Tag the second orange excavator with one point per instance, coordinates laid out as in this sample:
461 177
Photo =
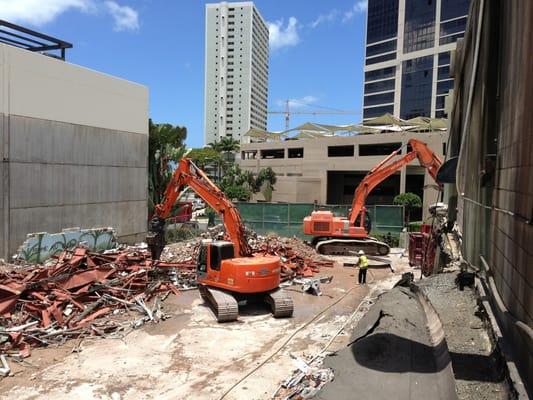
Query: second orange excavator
227 271
345 235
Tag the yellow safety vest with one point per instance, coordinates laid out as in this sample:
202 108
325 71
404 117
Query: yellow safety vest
363 262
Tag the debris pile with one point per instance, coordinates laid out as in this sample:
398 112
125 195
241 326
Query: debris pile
297 258
42 305
306 380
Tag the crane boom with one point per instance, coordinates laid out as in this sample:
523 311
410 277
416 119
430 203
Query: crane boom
385 168
188 174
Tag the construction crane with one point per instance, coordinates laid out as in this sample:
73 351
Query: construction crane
342 236
227 271
287 112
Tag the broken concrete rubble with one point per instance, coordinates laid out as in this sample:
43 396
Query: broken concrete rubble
297 258
41 305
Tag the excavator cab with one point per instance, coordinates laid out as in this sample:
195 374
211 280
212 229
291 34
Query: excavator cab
211 255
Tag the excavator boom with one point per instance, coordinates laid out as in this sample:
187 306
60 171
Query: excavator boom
338 235
389 166
227 272
188 174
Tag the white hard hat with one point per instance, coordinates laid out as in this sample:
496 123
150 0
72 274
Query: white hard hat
361 252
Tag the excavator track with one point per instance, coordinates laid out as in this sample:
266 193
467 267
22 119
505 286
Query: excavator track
223 305
280 303
347 247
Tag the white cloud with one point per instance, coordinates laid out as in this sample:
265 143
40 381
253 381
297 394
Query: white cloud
41 12
283 36
296 103
126 18
322 18
360 6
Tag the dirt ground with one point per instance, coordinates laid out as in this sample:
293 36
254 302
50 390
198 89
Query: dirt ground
190 355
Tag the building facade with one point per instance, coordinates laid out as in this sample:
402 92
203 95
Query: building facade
236 70
408 51
491 133
74 148
327 170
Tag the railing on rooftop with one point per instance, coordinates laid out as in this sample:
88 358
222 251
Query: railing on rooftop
24 38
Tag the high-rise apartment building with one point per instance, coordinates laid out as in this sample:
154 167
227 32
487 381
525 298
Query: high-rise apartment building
236 70
407 63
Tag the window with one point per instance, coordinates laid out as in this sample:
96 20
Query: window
444 58
219 253
273 153
439 102
382 20
202 258
419 28
380 74
416 87
444 87
455 26
341 151
444 73
453 8
373 112
378 59
380 48
378 149
380 86
378 99
296 152
450 39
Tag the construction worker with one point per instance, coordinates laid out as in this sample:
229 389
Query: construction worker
363 266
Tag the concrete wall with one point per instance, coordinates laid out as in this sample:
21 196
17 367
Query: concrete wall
305 179
495 173
74 147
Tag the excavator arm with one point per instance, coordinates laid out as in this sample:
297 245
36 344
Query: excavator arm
188 174
389 166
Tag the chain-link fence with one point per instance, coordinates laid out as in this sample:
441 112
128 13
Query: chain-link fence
287 219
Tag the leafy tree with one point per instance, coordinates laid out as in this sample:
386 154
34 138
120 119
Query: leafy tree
266 179
165 149
205 156
238 192
410 201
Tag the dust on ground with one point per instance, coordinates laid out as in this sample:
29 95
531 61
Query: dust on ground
190 354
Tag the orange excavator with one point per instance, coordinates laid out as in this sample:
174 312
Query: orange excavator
341 235
227 271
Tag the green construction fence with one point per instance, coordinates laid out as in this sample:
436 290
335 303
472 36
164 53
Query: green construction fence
287 219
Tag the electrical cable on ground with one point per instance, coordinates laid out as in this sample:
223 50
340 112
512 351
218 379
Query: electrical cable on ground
292 335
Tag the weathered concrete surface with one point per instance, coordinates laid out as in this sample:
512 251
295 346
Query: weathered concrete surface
392 355
477 365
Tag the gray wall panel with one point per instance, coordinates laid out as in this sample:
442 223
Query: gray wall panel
35 185
45 141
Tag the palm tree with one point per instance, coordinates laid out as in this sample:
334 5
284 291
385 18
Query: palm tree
165 149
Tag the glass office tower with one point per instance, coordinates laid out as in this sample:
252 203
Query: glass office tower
407 63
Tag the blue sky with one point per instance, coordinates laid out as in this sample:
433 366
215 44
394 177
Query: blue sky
316 57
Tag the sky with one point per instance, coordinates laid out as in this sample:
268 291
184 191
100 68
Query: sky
316 52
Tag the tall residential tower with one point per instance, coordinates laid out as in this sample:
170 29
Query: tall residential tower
407 64
236 70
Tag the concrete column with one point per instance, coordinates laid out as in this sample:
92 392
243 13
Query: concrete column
323 187
399 58
403 178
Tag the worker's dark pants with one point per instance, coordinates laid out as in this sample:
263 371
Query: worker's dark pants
362 275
